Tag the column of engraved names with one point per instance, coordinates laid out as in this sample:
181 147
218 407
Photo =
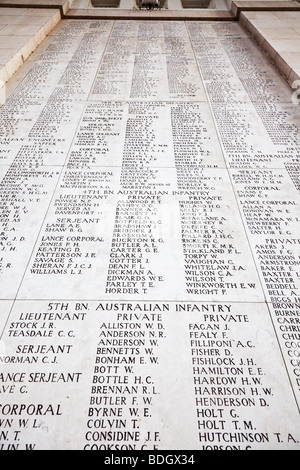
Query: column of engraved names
283 309
293 168
21 108
37 340
64 105
24 185
113 79
148 67
124 392
48 143
182 75
258 94
267 92
68 244
242 86
58 112
73 235
250 144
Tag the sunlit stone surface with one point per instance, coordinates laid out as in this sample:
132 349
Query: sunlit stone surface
149 242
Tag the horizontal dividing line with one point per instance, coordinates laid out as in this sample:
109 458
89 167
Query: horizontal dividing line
145 15
30 5
141 301
161 167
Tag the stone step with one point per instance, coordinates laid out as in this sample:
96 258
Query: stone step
63 5
184 15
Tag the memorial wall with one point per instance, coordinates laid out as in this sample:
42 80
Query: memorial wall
149 244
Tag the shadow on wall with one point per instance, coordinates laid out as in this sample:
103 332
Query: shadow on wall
137 4
151 4
106 3
209 4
